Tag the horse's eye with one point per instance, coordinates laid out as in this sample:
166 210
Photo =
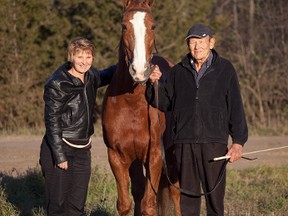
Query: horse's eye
124 27
153 27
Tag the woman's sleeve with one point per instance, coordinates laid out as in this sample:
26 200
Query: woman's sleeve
53 99
106 75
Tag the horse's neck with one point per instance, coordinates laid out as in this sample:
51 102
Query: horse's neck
122 72
122 81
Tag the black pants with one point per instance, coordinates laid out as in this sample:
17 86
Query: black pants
66 190
196 170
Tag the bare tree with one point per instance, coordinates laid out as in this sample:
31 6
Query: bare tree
257 43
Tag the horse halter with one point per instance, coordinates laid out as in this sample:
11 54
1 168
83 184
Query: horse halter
147 67
150 67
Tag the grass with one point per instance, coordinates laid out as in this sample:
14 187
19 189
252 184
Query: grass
22 194
256 191
102 194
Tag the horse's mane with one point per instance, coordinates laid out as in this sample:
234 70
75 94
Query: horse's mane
121 53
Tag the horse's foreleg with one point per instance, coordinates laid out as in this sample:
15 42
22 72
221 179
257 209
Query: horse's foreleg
121 173
164 201
168 196
175 195
138 181
153 174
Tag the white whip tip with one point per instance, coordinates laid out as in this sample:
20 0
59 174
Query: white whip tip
221 158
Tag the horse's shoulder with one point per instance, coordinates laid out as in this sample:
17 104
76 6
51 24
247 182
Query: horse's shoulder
162 61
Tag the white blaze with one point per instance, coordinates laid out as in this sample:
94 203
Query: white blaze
139 61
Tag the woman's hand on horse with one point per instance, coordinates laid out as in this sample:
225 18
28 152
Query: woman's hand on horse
63 165
155 74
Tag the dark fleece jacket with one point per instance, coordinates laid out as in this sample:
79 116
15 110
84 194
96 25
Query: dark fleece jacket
207 113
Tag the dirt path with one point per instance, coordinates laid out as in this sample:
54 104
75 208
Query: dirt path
19 153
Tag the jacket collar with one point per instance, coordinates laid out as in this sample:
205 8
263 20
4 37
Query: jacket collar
76 81
187 64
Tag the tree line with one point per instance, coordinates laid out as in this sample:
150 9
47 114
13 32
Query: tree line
251 33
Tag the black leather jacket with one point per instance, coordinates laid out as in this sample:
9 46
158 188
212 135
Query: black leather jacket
69 106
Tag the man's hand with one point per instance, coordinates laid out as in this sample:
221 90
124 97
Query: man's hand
235 152
155 74
63 165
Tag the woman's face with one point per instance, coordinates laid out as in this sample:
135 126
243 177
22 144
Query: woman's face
82 61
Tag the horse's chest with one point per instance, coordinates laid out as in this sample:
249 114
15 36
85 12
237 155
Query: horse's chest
127 122
132 111
127 111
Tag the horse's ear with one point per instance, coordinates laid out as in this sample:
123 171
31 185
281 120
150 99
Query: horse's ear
126 3
149 2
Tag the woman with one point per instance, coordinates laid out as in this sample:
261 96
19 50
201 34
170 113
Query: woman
65 156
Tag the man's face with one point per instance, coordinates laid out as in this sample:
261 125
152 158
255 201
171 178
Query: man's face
200 47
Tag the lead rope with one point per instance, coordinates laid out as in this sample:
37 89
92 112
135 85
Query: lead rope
164 164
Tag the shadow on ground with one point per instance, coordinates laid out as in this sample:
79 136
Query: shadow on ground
25 192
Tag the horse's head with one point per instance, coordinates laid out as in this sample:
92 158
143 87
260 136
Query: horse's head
138 35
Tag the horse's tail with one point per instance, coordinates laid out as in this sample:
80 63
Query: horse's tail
164 200
168 197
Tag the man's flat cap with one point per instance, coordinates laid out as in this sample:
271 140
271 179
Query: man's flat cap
199 31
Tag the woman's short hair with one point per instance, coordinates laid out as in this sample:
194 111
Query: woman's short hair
80 44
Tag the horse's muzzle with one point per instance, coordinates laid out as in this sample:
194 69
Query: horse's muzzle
142 76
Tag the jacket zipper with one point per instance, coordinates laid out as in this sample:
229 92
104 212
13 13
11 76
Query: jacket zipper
197 114
198 121
87 107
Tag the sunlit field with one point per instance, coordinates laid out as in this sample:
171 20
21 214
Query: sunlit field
257 191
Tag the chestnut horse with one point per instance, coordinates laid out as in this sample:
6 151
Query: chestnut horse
132 129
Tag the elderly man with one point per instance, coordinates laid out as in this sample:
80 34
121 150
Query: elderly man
203 93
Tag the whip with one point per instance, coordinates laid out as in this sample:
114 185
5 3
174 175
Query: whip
249 153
